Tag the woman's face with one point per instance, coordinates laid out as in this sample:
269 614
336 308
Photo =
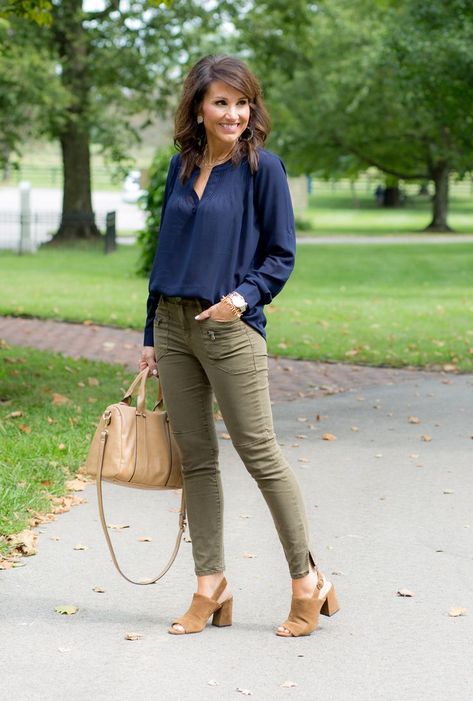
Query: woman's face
226 114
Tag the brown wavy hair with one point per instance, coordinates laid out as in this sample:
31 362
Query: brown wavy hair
190 138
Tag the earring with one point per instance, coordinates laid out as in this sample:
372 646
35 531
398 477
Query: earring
200 119
248 138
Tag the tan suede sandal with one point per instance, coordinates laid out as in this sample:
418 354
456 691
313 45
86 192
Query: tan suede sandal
304 615
202 607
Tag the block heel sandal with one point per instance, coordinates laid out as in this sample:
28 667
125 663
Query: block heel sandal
304 615
202 607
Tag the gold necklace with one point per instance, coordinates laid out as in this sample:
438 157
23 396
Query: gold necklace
222 159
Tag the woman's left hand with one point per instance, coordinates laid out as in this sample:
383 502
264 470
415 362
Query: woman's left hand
217 312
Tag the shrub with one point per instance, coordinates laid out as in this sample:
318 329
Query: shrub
152 203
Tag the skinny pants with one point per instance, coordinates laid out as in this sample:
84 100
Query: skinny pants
197 359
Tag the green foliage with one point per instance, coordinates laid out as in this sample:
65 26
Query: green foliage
152 203
383 84
32 100
38 11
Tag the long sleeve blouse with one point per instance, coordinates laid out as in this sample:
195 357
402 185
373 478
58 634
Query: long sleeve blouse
239 236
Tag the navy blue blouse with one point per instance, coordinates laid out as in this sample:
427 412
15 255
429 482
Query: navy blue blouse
239 236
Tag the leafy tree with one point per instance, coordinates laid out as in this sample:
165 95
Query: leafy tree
32 99
113 63
382 83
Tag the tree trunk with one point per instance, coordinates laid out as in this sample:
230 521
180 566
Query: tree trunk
440 176
77 221
392 196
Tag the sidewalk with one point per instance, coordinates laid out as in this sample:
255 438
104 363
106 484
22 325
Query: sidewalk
388 510
289 379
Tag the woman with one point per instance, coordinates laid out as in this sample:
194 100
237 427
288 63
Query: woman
226 248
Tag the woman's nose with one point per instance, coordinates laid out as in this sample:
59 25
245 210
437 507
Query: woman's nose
232 112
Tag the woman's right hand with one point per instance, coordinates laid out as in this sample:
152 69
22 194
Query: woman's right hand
148 359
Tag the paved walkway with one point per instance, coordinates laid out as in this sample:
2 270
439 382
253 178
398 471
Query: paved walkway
289 379
384 239
389 509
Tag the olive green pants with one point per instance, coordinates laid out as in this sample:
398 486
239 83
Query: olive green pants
229 359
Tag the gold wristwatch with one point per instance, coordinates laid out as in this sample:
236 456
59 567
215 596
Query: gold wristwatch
239 301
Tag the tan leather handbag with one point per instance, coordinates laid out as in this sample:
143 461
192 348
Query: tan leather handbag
134 447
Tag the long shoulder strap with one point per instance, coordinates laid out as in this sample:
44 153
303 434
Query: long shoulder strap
182 520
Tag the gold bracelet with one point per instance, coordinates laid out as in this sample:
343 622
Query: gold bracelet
229 303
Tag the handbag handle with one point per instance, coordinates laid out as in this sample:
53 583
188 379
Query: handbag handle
140 380
182 520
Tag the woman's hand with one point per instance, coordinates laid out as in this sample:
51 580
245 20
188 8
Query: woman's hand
217 312
148 359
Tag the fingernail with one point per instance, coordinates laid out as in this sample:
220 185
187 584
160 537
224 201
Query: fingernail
197 317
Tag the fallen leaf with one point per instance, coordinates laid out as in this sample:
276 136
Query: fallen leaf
66 610
413 455
79 546
118 526
448 491
212 682
60 399
76 485
457 611
449 367
288 684
426 438
25 428
378 455
14 414
354 428
328 437
24 542
93 382
245 515
99 590
63 504
64 649
405 592
133 636
50 420
337 573
301 435
302 418
245 692
187 539
54 537
302 459
352 352
62 446
108 345
226 436
249 555
414 420
144 539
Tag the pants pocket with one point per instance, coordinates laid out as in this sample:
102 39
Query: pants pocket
228 346
161 333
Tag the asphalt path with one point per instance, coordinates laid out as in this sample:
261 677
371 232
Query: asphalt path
389 505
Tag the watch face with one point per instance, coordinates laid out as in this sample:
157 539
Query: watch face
238 301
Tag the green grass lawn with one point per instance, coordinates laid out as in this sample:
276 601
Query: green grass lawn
337 212
48 442
391 305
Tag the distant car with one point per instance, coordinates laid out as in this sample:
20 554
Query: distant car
132 189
